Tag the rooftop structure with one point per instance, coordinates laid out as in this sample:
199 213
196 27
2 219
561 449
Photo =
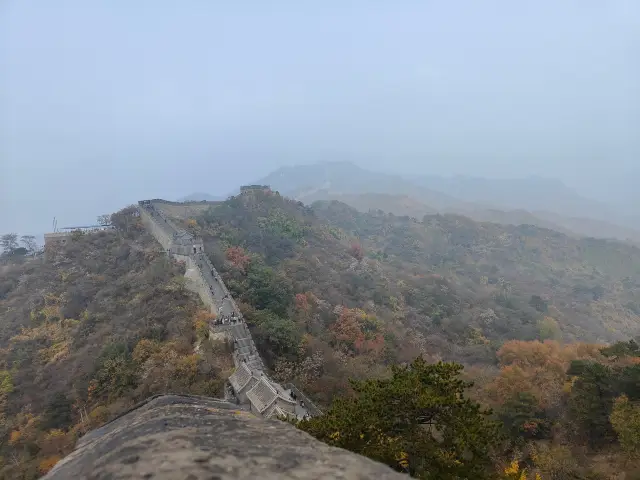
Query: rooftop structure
250 188
60 237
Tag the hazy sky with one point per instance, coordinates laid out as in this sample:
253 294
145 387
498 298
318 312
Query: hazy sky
106 102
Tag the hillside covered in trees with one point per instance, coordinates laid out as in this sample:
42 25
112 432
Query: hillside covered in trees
333 294
358 310
86 332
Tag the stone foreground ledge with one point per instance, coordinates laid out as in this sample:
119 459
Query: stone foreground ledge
192 438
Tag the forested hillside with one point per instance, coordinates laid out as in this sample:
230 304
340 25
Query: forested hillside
86 332
463 286
536 201
333 294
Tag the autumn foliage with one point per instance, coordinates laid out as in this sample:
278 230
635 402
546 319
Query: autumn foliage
48 463
111 325
357 332
302 302
238 258
356 251
537 368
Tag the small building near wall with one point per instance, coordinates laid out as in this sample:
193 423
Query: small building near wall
183 243
56 238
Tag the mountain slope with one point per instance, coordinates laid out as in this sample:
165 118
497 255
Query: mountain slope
529 201
531 193
99 324
341 178
364 202
445 279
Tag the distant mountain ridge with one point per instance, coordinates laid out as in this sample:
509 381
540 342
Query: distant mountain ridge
529 193
345 178
537 201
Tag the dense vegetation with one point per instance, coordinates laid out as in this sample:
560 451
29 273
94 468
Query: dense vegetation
332 294
87 331
367 313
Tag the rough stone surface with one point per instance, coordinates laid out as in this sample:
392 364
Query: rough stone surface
194 438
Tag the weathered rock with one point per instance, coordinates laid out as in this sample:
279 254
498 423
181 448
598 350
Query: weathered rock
192 438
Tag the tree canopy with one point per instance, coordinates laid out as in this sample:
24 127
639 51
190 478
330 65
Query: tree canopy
419 421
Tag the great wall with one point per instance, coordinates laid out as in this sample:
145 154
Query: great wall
250 385
169 436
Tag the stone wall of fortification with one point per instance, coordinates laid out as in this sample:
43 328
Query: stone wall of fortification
181 252
157 231
197 283
180 245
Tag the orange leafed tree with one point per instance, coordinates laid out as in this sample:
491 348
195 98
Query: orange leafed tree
356 251
203 317
15 436
302 302
192 224
349 331
48 463
238 258
537 368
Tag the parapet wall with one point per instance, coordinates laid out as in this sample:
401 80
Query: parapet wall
181 204
209 265
198 283
161 234
180 436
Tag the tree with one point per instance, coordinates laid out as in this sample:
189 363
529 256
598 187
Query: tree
622 349
548 329
591 401
555 462
537 368
104 219
268 290
238 257
9 242
625 418
418 421
356 251
538 303
58 412
29 242
357 332
280 334
523 418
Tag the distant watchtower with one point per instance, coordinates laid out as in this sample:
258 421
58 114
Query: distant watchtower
254 188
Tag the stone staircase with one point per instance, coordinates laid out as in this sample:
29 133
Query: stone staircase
249 381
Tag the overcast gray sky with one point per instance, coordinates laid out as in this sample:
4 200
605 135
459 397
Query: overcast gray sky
106 102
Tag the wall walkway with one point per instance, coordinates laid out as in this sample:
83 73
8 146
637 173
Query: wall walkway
250 382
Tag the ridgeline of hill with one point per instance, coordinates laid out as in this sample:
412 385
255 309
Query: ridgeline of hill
534 201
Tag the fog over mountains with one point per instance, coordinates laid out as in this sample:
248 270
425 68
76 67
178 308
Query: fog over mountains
535 200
